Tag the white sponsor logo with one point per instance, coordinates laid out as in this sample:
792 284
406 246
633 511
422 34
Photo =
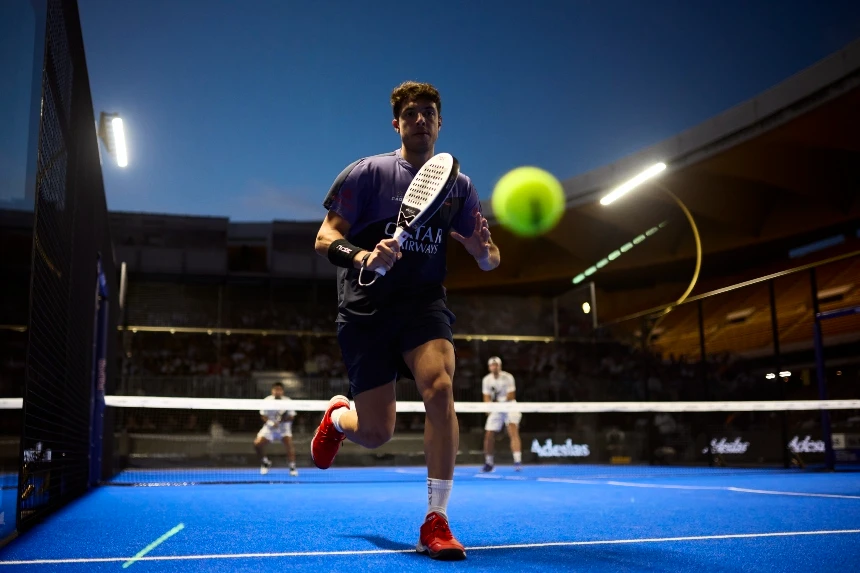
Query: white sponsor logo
806 446
343 249
725 447
567 449
423 239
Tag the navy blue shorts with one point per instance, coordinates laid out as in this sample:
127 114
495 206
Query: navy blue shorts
373 350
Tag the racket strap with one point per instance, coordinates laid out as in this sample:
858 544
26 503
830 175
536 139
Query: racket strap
361 272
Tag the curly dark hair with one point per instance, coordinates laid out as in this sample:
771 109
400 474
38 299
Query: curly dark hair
412 91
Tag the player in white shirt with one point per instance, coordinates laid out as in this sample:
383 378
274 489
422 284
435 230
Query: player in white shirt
278 426
498 386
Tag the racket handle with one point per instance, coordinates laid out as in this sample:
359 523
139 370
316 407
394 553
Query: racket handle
400 235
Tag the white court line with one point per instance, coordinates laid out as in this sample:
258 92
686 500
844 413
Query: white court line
480 548
664 486
579 481
699 487
766 492
493 476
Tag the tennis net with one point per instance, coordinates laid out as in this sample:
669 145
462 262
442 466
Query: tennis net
183 441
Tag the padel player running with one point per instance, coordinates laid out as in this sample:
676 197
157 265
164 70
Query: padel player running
399 326
498 386
277 426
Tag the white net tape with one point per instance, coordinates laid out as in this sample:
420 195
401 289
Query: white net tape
485 407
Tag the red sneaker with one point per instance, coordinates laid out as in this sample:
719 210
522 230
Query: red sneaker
437 541
327 439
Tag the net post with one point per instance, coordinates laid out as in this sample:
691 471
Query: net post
99 374
591 290
774 325
703 375
819 366
123 285
650 436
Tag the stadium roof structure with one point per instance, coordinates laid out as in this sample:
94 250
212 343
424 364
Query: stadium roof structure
759 179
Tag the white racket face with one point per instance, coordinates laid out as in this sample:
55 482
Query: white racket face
423 194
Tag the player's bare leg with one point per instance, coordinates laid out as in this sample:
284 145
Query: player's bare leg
260 445
489 447
371 424
516 445
291 454
432 364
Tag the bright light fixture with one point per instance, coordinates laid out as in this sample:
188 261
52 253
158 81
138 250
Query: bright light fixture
633 183
119 142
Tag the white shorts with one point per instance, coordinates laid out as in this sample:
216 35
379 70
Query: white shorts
277 433
498 420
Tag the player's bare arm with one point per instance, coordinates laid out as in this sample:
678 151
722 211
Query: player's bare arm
480 244
334 228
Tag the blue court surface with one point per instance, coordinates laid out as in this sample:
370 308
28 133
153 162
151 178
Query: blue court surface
542 519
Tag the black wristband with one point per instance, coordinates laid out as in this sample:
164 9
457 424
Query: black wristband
341 253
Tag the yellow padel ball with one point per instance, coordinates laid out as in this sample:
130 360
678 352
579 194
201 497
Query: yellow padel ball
529 201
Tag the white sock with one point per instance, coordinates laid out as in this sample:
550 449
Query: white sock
292 465
518 457
335 418
488 459
438 492
265 459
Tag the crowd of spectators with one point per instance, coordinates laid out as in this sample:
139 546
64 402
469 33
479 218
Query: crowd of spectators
577 365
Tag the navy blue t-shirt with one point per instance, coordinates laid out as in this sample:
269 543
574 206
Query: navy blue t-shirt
368 194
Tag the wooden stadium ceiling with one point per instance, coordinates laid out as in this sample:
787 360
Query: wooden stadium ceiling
775 184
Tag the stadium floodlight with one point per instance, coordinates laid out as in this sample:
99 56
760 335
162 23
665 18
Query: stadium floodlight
111 131
119 138
633 183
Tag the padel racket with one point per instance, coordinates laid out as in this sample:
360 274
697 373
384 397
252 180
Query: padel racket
425 195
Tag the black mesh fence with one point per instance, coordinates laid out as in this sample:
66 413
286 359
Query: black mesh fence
70 236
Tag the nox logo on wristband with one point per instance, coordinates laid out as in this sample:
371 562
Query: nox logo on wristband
341 252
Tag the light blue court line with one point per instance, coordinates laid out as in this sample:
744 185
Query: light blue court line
154 544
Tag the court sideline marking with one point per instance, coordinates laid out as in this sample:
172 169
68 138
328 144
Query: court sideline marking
394 551
696 487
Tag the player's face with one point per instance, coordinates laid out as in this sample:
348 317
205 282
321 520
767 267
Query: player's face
277 392
418 125
495 368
